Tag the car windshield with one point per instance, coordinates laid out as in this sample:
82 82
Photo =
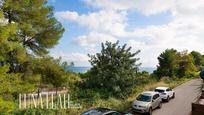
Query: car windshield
159 90
144 98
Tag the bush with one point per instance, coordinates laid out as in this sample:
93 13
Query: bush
113 70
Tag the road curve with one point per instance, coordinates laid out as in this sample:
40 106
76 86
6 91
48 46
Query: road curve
181 105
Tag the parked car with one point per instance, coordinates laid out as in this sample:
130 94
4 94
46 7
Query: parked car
146 102
104 111
166 93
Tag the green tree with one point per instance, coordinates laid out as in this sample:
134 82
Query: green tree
11 83
6 104
198 59
27 30
36 29
51 71
167 63
186 64
113 69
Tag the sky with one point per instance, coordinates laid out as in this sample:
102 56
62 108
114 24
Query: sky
147 25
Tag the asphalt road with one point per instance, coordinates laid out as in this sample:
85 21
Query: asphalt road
181 105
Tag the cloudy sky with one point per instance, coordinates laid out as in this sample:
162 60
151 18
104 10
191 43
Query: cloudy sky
149 25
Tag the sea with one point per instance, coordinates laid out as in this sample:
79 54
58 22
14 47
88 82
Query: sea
76 69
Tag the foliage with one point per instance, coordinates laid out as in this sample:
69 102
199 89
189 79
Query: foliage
198 59
176 64
186 64
113 69
11 83
27 30
6 106
111 102
143 73
202 74
167 63
51 71
37 27
33 30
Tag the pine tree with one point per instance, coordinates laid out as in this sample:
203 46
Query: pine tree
168 63
36 29
11 83
27 30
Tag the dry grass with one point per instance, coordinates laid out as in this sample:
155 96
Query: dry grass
124 105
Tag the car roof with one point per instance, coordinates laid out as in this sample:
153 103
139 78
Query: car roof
101 111
149 93
163 88
96 111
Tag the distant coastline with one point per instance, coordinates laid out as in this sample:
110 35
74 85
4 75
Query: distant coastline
77 69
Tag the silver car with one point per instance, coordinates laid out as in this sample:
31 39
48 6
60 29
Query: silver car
146 102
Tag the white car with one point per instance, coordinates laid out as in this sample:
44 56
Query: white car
146 102
166 93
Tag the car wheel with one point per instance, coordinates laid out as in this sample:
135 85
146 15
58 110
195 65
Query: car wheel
160 105
150 111
167 99
173 95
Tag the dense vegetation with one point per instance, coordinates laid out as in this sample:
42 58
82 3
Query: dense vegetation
178 64
28 30
113 70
